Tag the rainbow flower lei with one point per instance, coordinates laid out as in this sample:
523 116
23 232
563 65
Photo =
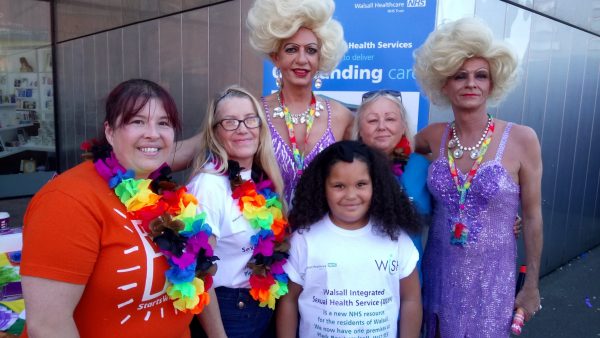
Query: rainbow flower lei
262 207
168 214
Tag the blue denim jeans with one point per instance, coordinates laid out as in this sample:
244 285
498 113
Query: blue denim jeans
241 315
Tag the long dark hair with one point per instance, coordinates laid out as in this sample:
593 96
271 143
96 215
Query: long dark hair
390 210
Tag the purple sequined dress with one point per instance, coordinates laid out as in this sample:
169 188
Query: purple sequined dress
470 290
285 157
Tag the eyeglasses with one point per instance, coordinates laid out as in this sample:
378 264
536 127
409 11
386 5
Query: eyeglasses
233 124
372 93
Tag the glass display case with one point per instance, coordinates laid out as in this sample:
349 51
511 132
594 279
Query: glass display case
27 133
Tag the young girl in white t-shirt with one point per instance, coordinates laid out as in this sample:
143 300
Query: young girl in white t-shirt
352 265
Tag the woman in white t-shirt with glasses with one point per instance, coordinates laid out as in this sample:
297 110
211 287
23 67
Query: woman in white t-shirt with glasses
238 184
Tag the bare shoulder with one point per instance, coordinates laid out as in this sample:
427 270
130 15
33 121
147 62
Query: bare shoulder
522 133
339 111
270 99
341 120
525 146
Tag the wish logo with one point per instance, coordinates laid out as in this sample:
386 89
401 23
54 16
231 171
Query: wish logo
389 265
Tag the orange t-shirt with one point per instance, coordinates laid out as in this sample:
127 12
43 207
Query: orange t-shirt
77 231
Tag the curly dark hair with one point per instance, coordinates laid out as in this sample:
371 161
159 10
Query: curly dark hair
390 210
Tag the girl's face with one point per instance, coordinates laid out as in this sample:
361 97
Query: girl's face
349 190
298 58
381 125
145 142
240 144
470 87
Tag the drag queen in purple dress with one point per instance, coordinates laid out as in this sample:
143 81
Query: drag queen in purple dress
482 169
302 40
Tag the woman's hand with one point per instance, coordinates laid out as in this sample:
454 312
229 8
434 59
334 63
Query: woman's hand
518 226
529 300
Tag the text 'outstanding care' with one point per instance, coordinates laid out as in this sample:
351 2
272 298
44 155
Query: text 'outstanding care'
360 54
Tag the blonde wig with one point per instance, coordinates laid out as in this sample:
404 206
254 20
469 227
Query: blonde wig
272 21
370 100
447 48
212 151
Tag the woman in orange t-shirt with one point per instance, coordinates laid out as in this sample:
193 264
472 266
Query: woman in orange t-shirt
114 248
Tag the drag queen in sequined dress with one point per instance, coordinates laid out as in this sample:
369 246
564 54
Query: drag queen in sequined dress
304 43
302 40
482 169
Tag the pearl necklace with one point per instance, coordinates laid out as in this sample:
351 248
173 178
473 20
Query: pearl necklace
474 150
301 118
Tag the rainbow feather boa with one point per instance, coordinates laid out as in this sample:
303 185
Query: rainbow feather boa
169 214
262 207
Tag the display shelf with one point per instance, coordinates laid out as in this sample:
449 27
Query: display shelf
9 151
26 93
16 126
38 147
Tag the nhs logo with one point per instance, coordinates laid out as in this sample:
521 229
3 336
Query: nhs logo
416 3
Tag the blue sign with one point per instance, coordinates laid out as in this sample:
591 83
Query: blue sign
381 37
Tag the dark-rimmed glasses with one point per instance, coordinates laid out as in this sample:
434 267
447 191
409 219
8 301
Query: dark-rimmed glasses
233 124
392 92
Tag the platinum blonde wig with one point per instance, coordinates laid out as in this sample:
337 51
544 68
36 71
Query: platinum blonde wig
211 150
272 21
447 48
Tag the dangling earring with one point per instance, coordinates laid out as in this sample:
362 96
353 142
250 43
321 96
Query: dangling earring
278 78
318 81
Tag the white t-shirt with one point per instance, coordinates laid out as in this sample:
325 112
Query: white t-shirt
350 279
229 226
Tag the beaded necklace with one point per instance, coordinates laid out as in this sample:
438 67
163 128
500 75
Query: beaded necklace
298 157
298 118
473 151
460 231
262 208
168 214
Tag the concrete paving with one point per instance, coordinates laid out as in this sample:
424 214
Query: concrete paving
570 301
